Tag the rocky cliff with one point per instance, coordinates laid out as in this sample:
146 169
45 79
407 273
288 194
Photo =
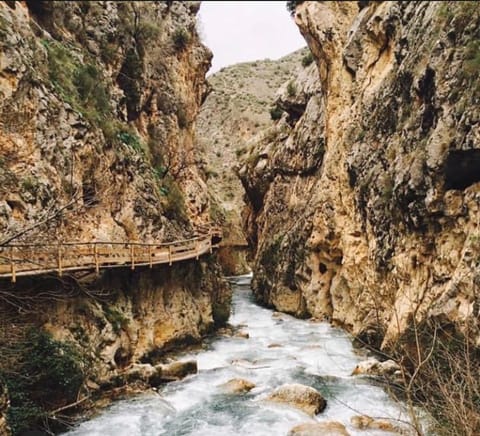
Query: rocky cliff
97 110
363 198
237 108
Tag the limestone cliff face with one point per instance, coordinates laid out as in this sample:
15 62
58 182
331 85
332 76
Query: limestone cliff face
97 108
98 105
364 201
236 109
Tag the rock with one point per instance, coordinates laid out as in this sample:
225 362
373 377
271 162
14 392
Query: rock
328 428
140 372
225 331
364 422
374 367
92 385
300 396
238 386
242 334
275 345
178 370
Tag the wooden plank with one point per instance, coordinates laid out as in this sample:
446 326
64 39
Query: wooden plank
12 263
59 260
132 255
95 256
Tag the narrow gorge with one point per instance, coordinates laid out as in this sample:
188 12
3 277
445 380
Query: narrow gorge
343 176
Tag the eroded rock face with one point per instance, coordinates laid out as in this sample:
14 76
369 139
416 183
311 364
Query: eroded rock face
364 208
142 316
97 109
302 397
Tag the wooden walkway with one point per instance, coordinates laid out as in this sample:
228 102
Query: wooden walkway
36 259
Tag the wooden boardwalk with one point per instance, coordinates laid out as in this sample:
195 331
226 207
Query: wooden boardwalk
36 259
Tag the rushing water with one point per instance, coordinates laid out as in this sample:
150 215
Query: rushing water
313 354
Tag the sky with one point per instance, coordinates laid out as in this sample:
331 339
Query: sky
240 31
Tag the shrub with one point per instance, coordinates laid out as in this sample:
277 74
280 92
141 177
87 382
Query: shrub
132 140
276 113
116 318
291 88
78 84
181 38
174 202
307 59
472 57
47 374
148 30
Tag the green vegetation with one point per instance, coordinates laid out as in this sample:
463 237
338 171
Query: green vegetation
181 38
29 184
132 140
472 57
80 84
307 59
116 318
276 112
147 30
41 374
173 201
291 88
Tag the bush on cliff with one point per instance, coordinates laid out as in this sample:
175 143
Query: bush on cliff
42 374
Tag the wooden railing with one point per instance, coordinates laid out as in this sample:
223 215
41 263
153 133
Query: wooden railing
35 259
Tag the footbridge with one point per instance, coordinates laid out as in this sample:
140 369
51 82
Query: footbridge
37 259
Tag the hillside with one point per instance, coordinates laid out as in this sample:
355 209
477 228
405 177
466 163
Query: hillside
236 109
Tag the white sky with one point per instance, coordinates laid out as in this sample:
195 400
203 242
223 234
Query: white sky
240 31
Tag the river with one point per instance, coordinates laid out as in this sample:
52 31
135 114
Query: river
313 354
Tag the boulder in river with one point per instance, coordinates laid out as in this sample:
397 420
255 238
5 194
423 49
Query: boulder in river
238 386
364 422
178 370
274 345
242 334
140 372
327 428
374 367
300 396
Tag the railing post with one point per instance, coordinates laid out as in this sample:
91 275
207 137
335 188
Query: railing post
95 256
150 255
59 259
210 244
12 266
132 255
170 255
197 248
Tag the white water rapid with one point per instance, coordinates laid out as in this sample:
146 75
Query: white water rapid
314 354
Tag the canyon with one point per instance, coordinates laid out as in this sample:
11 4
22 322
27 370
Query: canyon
357 159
